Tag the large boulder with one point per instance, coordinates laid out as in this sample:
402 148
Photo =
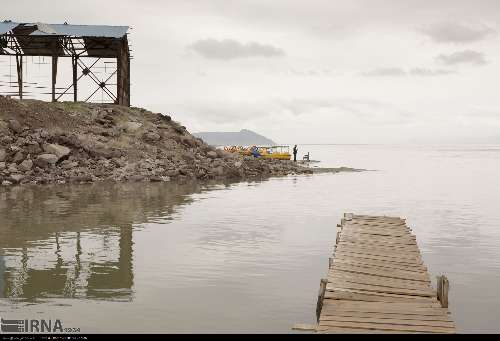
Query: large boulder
57 150
213 155
16 178
151 137
46 160
131 127
15 126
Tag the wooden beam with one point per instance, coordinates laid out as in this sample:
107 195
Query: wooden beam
123 75
54 77
74 63
443 286
321 296
19 63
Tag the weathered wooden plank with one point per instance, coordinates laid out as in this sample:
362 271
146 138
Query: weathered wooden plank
373 297
432 313
342 330
353 255
393 327
363 239
399 296
379 233
374 253
400 257
384 306
380 289
382 273
392 321
304 327
387 315
403 248
415 269
375 280
352 260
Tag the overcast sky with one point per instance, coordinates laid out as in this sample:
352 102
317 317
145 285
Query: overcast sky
315 71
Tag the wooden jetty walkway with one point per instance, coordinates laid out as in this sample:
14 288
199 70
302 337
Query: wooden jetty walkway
377 283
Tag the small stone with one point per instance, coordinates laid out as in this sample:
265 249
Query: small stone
219 171
6 183
3 165
26 165
159 179
68 164
131 127
166 118
3 155
238 164
173 173
18 157
12 168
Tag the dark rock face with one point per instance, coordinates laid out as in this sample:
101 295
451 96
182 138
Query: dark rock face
52 143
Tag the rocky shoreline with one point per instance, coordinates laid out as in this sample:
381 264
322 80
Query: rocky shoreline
43 143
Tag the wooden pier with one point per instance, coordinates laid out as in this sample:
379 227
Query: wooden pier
377 283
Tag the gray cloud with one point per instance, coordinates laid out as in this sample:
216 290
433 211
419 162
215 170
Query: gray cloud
463 57
430 72
385 72
398 72
364 109
228 49
451 32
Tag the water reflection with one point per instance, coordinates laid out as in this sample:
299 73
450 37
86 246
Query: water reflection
77 241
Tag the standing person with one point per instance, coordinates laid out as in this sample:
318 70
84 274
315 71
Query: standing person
295 150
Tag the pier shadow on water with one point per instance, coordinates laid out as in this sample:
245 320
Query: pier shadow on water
67 241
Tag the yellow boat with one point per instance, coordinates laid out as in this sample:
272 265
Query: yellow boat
273 152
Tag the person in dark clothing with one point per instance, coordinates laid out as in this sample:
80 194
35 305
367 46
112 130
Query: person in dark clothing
295 150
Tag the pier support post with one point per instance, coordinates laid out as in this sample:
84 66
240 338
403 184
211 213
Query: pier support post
443 286
19 64
54 77
321 296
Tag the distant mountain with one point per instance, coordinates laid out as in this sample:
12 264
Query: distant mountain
242 138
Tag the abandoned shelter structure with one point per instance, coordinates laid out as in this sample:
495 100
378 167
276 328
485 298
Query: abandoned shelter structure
85 45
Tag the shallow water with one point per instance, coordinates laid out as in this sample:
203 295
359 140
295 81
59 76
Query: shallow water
244 257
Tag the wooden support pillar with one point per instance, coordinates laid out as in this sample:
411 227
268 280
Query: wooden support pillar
74 63
54 77
123 74
443 286
321 296
19 63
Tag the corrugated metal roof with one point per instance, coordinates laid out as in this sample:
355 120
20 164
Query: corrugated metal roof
6 26
71 30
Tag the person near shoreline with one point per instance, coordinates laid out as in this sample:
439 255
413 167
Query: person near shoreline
295 150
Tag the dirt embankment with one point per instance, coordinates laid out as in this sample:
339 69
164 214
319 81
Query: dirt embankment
44 142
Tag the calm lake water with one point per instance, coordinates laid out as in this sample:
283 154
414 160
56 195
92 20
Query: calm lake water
244 257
